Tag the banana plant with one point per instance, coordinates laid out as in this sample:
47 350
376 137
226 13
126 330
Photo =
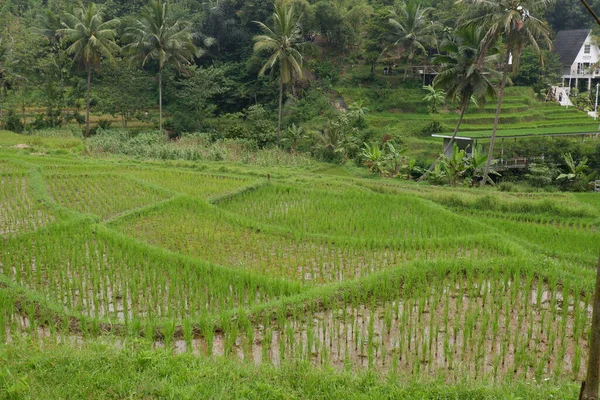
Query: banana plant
395 158
575 170
374 158
409 168
438 175
456 166
476 167
434 98
294 135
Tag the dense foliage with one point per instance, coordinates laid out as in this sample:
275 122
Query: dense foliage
422 291
308 76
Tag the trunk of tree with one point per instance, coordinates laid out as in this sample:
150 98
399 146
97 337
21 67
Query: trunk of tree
87 100
450 143
486 171
280 111
23 110
160 126
589 388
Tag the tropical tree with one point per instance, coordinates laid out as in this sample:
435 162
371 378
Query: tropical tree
5 75
157 36
412 30
396 160
512 21
464 78
294 135
574 177
476 165
284 42
341 21
358 111
339 139
374 158
91 39
434 97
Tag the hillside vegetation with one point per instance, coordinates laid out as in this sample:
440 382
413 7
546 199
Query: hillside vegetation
147 265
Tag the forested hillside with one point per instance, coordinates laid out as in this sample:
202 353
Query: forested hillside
333 199
335 81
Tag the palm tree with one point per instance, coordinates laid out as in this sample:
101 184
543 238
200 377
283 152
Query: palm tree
463 77
511 20
412 30
156 36
284 42
91 39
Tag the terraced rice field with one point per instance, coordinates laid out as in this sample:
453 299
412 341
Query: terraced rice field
388 276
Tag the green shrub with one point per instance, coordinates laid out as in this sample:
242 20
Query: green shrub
12 122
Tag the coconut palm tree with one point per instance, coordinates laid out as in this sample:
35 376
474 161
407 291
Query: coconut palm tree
157 36
91 39
512 21
284 42
463 77
412 30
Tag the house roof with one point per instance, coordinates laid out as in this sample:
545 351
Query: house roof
568 44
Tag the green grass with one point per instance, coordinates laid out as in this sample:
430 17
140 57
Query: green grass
102 195
19 210
373 216
256 288
191 183
202 231
398 109
9 139
99 371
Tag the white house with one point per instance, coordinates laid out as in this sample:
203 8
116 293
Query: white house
577 55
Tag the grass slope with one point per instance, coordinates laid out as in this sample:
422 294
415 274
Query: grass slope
209 281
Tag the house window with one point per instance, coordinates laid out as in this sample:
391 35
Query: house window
587 48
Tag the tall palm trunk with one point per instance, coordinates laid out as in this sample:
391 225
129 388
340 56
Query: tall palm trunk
496 119
160 125
450 143
589 389
280 110
87 100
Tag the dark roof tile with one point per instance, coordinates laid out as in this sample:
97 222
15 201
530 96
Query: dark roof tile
568 43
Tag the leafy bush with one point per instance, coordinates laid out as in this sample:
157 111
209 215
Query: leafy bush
434 126
12 122
312 105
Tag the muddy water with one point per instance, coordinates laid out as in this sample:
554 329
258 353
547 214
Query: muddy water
451 335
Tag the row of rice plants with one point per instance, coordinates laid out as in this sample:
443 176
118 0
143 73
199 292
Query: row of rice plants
369 215
203 231
451 323
79 169
102 195
548 208
44 160
552 240
92 271
191 183
18 211
23 315
9 167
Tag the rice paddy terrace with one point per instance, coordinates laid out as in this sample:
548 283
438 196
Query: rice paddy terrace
357 274
402 112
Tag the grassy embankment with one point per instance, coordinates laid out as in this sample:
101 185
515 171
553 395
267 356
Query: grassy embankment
123 278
